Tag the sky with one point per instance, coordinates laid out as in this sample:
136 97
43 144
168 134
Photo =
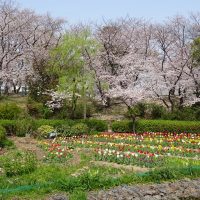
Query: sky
75 11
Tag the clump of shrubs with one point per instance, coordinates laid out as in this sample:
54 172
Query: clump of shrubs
45 131
158 111
10 111
18 163
24 127
38 110
79 129
2 134
64 130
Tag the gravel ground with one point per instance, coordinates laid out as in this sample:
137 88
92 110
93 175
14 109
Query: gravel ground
180 190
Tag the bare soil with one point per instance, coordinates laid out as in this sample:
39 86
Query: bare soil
28 144
119 166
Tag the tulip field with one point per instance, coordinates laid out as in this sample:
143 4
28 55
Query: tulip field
144 150
95 161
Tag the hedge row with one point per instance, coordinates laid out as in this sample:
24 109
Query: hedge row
21 126
157 126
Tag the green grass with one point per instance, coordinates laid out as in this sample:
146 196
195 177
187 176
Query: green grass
21 101
57 178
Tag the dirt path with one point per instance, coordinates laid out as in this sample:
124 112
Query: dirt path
120 166
29 144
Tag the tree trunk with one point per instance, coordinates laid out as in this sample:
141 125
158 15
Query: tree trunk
133 121
84 106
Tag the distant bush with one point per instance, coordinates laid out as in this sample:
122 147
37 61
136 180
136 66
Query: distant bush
24 127
64 130
18 162
38 110
9 111
2 134
96 125
138 110
79 129
44 131
122 126
157 111
9 125
54 122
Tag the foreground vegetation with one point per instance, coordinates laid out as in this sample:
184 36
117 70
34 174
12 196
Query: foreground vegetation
76 165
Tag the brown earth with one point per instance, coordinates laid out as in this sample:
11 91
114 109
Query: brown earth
28 144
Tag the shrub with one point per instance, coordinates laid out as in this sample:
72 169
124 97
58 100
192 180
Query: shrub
9 111
55 123
18 162
156 111
64 130
96 125
122 126
34 108
2 134
6 143
79 129
138 110
44 131
9 125
24 127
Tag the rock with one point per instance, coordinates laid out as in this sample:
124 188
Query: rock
52 135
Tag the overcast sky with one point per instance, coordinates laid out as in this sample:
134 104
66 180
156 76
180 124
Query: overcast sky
76 11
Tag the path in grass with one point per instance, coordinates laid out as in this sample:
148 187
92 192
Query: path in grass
28 144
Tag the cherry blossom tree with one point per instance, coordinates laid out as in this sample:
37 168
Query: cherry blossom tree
173 83
25 38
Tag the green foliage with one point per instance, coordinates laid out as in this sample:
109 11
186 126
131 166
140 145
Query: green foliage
64 130
138 110
157 111
80 110
66 111
185 113
38 110
78 195
44 131
2 134
196 50
6 143
67 61
79 129
167 125
157 126
9 125
54 122
96 125
24 127
9 111
122 126
18 162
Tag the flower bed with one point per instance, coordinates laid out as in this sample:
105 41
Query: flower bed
56 152
147 149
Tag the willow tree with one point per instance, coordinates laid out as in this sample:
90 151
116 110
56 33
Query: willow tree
68 60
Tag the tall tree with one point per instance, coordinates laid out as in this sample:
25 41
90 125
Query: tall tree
68 60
